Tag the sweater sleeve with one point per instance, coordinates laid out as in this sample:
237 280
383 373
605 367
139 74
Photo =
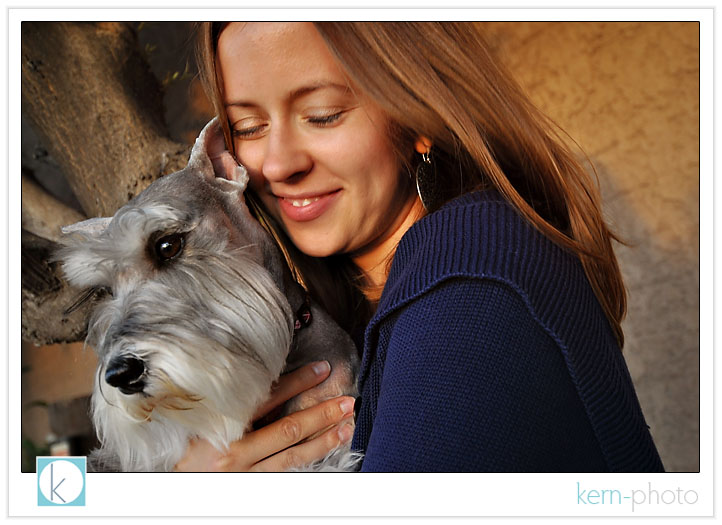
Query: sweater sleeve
472 382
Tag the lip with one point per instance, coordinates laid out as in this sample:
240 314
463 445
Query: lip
320 203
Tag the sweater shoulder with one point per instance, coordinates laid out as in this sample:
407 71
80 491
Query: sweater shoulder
481 236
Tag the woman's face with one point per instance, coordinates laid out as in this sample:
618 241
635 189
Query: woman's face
317 152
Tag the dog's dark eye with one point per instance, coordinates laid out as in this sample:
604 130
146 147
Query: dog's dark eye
168 247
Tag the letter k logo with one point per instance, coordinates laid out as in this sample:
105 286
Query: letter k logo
61 481
54 489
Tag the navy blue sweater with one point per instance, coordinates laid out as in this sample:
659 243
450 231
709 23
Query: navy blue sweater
489 352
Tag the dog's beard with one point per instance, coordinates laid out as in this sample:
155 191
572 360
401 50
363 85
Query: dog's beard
214 334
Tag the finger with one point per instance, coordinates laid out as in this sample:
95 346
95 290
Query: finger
294 383
309 451
291 429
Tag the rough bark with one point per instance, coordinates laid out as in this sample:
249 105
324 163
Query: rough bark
91 98
46 296
42 214
97 108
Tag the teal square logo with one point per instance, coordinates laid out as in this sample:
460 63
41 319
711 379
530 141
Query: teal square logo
61 481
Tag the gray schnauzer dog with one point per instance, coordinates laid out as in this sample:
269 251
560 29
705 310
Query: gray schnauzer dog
199 319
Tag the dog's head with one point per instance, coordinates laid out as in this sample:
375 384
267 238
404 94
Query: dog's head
193 327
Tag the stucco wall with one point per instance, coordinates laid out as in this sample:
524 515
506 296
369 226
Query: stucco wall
628 93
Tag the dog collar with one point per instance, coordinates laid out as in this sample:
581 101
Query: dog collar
303 315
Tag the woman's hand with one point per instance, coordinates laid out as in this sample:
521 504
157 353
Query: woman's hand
276 447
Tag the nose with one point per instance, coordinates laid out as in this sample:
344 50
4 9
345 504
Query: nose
125 373
286 156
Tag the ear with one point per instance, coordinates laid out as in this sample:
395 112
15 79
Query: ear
210 156
90 227
82 262
423 145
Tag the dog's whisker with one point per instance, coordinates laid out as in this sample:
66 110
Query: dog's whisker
99 383
241 248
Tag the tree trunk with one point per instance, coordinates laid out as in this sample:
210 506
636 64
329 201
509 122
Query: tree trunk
95 105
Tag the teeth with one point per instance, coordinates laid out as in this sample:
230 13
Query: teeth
302 203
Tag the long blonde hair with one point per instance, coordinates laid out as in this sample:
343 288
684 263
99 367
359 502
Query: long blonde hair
440 80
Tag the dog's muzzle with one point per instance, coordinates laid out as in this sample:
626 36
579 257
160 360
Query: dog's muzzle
126 374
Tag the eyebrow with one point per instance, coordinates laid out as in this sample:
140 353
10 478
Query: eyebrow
298 93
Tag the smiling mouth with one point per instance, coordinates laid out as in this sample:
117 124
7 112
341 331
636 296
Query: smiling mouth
301 203
304 209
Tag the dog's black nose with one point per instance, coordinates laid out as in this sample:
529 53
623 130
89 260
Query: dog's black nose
125 373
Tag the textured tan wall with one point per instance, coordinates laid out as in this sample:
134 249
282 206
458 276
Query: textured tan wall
628 93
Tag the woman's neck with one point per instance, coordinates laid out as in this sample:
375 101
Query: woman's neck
375 262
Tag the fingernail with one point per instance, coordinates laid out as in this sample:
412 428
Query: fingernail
321 368
347 406
345 432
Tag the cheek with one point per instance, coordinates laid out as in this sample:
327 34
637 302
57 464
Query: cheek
365 158
382 169
252 160
373 150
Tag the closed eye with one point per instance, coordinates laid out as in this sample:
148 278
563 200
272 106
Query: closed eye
247 132
325 120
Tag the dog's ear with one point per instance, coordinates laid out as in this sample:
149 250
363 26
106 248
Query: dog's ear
90 227
83 264
211 158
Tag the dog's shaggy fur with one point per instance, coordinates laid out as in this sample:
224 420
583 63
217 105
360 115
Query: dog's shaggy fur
198 320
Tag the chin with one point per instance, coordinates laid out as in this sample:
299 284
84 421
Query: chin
314 242
318 244
315 250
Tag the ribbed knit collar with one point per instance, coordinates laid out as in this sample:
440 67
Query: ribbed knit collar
465 237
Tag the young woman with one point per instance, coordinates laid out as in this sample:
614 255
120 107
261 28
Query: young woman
436 213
